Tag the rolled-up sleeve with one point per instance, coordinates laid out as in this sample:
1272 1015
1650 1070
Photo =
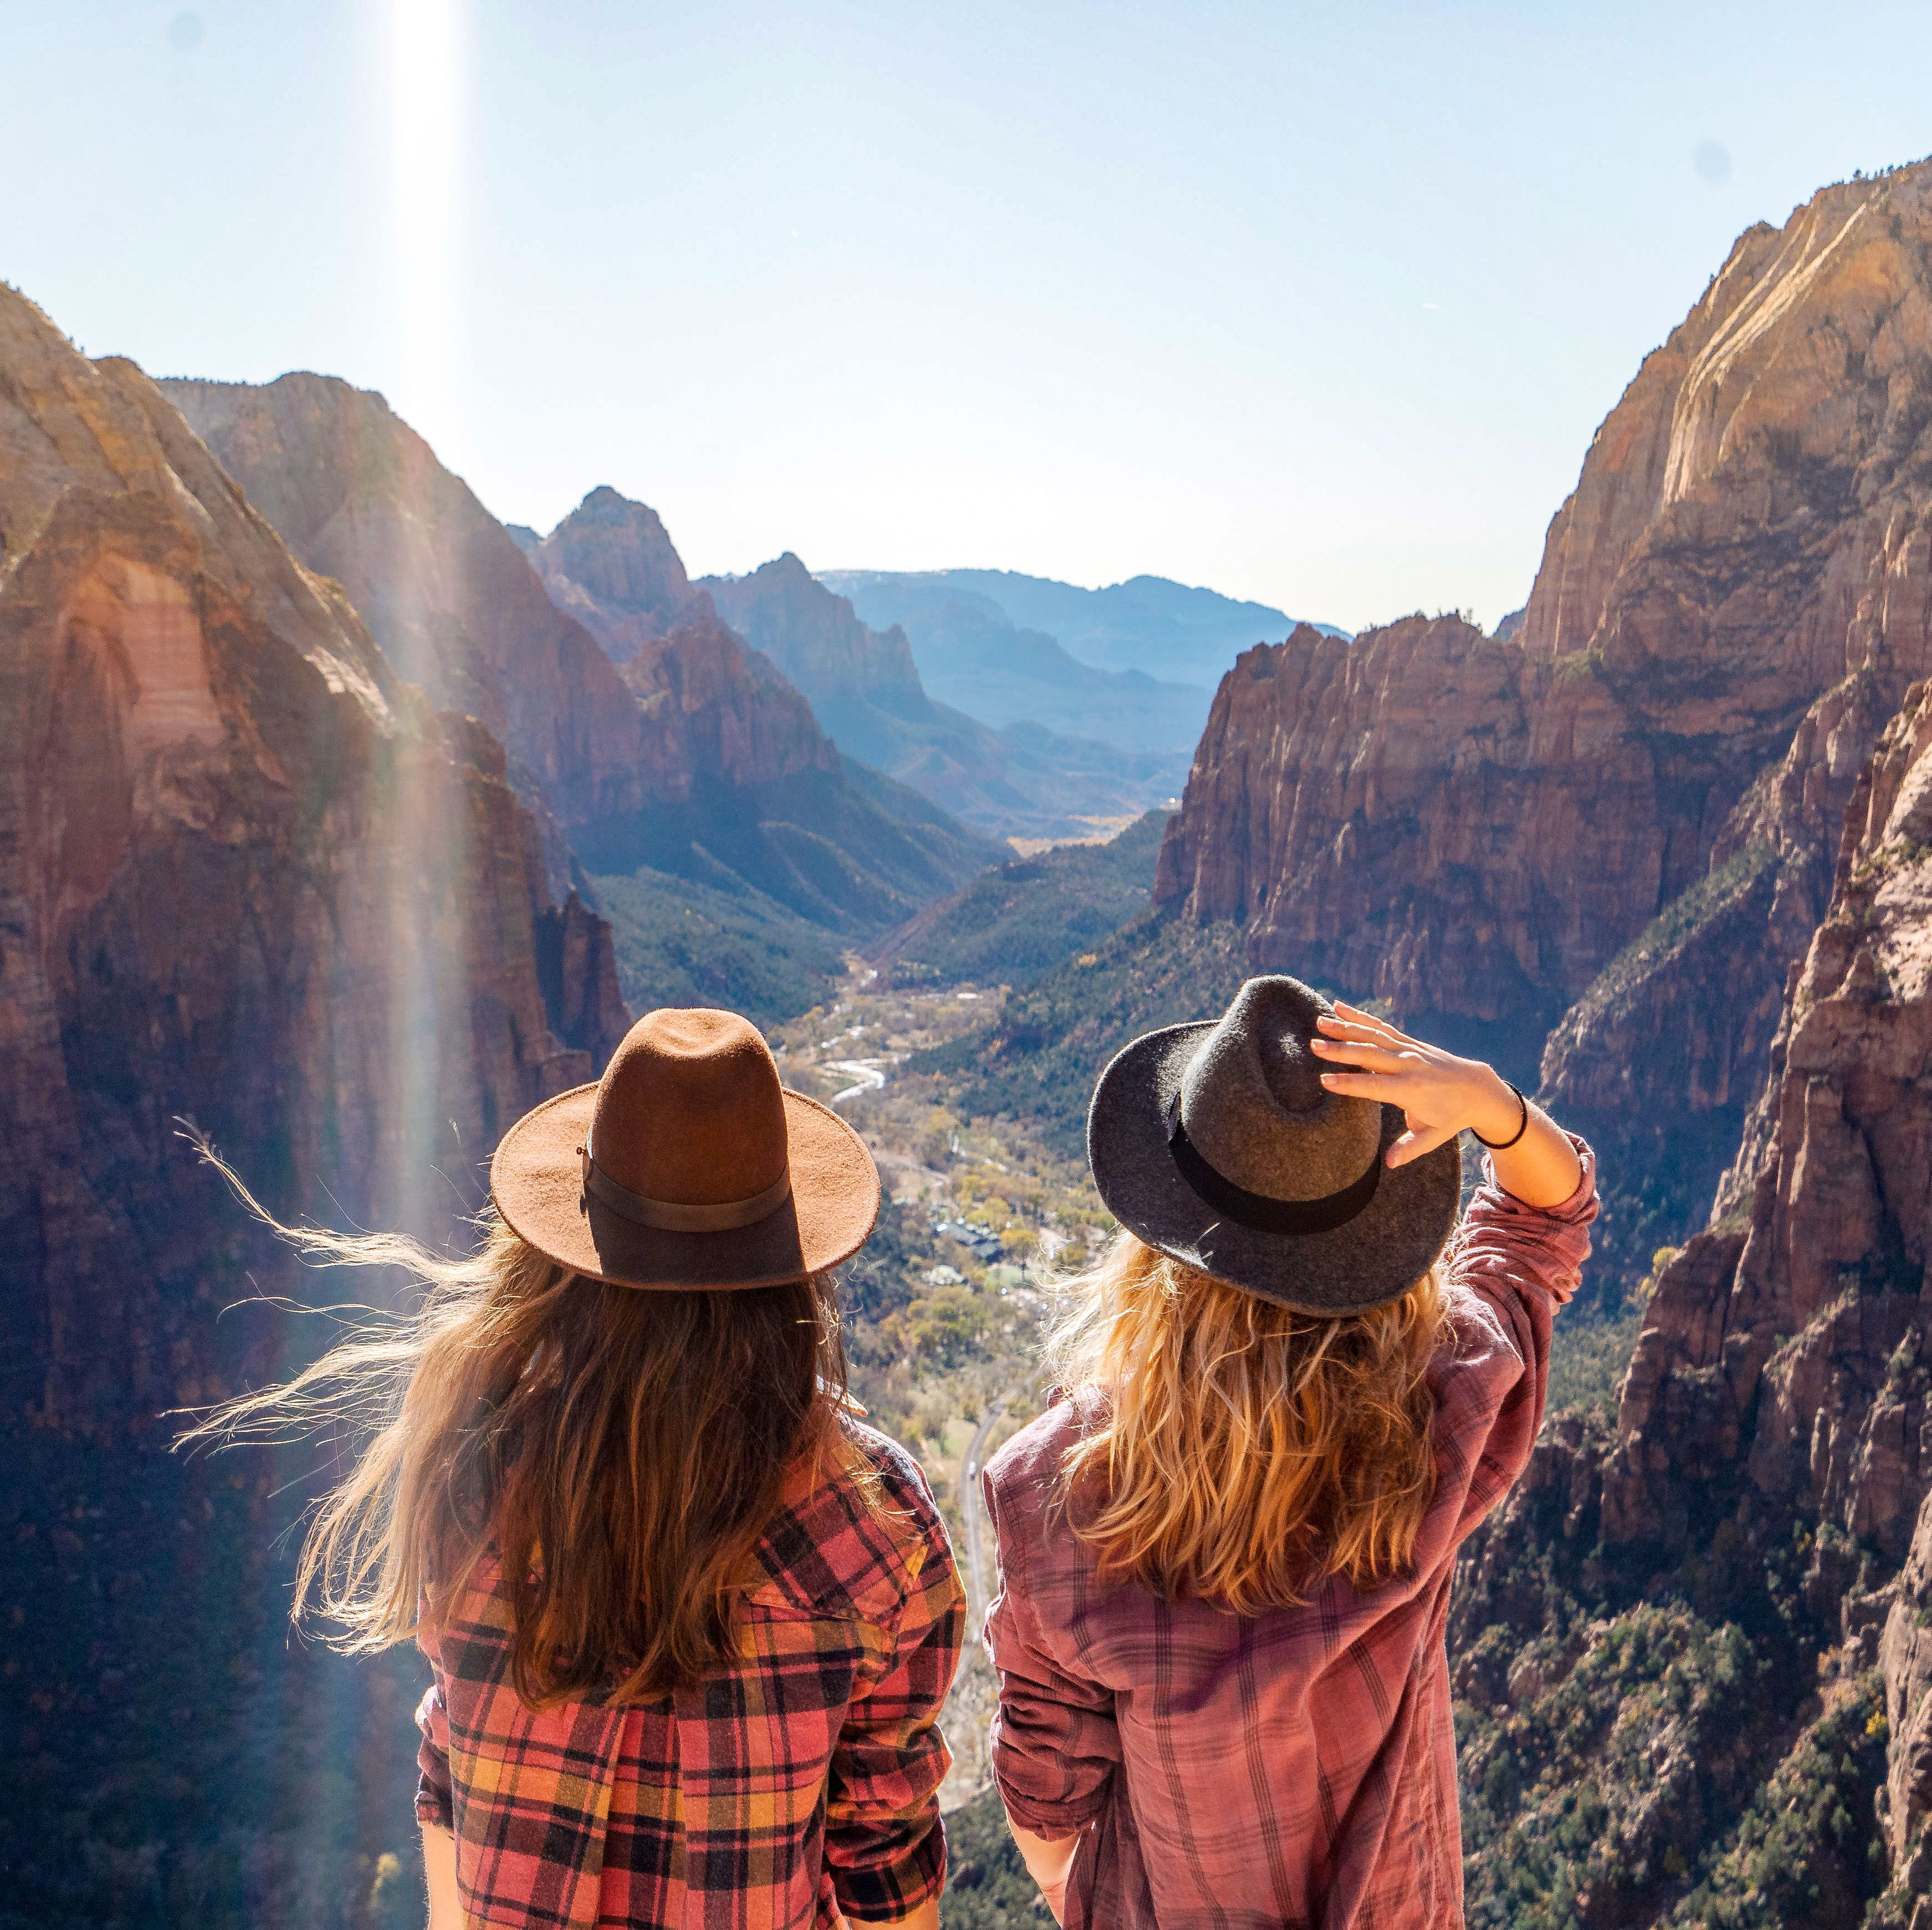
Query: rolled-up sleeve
885 1847
1056 1739
1517 1265
435 1800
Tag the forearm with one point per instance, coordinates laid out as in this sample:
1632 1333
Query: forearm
1542 1168
445 1906
1048 1862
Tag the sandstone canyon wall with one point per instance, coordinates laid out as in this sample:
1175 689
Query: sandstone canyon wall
692 759
1614 829
252 878
1711 1623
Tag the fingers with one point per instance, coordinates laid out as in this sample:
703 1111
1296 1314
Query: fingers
1379 1085
1361 1052
1417 1141
1348 1018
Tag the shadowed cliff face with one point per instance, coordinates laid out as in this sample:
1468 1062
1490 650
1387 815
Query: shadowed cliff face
1789 1338
1626 811
248 877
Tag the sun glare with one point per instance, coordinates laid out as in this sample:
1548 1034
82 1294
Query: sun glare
427 49
427 822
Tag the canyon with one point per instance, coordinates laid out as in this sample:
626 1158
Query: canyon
336 819
653 747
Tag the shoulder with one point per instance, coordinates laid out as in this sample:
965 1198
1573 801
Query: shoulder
863 1538
1024 1477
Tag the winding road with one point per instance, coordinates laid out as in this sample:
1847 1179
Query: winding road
868 1073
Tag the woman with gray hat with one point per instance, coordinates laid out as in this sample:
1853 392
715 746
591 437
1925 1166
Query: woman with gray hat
1289 1390
689 1623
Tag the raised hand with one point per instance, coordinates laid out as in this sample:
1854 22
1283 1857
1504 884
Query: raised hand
1441 1095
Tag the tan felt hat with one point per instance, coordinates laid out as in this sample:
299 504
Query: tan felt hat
688 1165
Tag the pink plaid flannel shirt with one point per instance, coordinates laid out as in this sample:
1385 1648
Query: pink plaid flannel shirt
1296 1768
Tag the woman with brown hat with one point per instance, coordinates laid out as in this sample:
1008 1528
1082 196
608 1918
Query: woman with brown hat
690 1623
1290 1393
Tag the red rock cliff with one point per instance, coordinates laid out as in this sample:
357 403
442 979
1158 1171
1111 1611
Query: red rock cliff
1651 771
248 877
611 563
456 606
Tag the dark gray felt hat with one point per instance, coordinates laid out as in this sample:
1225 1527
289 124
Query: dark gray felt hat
1217 1142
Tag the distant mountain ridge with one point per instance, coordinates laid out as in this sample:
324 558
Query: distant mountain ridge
866 690
1167 630
972 656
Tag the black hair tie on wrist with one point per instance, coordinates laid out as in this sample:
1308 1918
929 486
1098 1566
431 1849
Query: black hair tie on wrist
1521 1124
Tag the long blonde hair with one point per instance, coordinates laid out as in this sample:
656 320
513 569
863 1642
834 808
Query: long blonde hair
620 1450
1239 1452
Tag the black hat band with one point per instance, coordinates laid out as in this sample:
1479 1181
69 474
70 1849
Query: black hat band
1256 1211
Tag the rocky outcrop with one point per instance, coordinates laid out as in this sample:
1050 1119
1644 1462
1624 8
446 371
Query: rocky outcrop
1423 814
610 563
712 710
1794 1342
1644 779
1774 1439
248 878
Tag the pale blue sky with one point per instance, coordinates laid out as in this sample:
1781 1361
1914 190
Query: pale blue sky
1315 304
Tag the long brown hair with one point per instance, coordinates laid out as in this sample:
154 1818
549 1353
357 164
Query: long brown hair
1241 1452
621 1451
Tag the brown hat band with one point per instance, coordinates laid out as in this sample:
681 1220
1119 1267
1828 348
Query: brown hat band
672 1216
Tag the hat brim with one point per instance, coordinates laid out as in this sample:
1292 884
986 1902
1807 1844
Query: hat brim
536 1180
1374 1259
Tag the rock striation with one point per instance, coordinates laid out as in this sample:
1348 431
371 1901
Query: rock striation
248 877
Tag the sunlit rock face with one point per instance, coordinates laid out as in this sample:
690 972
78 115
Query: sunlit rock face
611 564
249 878
1647 776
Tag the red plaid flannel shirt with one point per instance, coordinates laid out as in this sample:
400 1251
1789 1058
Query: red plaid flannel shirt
799 1784
1295 1768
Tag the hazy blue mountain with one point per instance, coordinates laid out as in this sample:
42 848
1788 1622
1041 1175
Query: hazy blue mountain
864 688
1149 623
971 654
